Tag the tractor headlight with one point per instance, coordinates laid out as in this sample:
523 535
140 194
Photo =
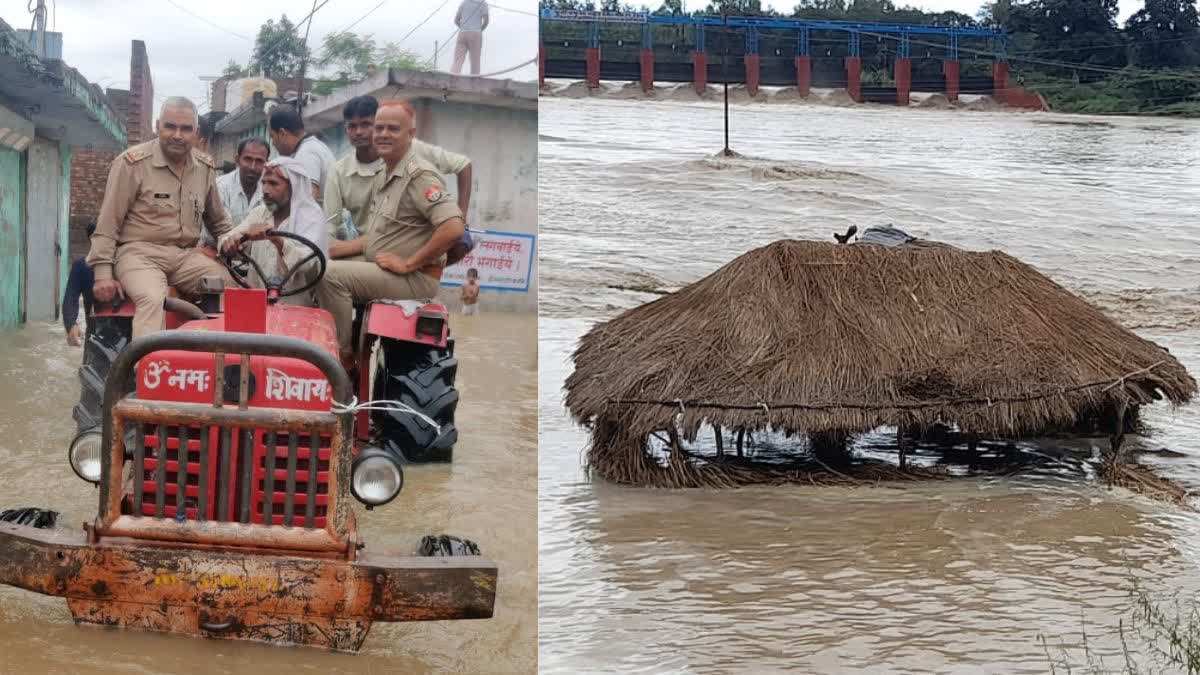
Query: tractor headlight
85 455
376 477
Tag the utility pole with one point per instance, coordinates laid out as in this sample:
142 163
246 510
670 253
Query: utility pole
435 53
304 60
725 75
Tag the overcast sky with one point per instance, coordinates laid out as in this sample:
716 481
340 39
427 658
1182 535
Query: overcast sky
182 48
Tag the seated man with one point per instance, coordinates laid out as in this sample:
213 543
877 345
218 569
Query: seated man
355 177
159 196
413 223
240 189
288 206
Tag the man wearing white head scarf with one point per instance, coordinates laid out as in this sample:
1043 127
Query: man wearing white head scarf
288 206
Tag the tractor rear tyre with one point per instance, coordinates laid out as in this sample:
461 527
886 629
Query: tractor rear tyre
422 378
106 338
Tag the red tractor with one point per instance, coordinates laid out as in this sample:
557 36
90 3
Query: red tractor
226 450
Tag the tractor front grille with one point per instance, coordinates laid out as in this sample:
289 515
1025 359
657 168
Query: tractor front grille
229 474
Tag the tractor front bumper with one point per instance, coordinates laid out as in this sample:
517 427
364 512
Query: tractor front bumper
256 595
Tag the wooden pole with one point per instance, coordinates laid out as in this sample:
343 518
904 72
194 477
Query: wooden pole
676 445
900 442
740 438
1118 437
720 441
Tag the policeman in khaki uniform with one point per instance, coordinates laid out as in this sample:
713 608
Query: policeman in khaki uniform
413 222
158 198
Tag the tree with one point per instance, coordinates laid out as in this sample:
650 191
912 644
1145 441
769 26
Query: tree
278 50
350 55
393 56
834 10
1165 34
739 8
996 14
1075 31
352 58
233 70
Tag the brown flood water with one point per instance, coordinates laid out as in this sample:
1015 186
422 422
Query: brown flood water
958 576
488 495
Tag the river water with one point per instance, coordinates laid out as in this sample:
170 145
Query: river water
487 494
964 576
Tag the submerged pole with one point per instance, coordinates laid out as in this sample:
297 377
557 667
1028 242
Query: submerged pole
725 80
676 445
1118 438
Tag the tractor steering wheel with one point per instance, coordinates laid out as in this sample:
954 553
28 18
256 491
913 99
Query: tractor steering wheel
273 282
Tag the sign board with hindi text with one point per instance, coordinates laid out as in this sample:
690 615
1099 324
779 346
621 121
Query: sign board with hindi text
504 261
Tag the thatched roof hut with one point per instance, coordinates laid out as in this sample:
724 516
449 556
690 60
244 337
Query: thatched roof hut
829 340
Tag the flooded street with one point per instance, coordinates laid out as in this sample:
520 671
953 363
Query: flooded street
964 576
487 494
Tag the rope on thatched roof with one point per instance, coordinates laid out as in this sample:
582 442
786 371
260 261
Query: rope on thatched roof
766 406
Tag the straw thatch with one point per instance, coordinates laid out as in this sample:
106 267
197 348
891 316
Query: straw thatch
830 340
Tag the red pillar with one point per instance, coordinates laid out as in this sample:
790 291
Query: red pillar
903 80
803 75
752 74
700 72
592 54
950 69
647 70
541 65
854 78
1000 80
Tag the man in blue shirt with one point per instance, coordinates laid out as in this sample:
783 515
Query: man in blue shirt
79 282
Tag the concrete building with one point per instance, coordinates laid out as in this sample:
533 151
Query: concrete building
46 110
494 122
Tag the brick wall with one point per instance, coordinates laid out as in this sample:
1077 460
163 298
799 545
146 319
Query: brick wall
89 168
141 96
119 98
283 85
89 172
216 97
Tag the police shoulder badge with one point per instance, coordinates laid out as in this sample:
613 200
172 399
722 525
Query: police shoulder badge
434 193
137 154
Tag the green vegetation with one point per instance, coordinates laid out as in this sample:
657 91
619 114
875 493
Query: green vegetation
345 57
1156 637
1128 92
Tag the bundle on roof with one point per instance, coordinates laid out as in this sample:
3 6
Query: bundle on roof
823 339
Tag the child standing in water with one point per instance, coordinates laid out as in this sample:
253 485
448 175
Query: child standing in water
470 293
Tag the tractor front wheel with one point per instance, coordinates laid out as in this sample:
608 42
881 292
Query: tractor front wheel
107 337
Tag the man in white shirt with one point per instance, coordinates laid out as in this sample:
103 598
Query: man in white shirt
471 19
287 206
287 135
240 189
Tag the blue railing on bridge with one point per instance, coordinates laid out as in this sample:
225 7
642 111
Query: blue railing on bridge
578 16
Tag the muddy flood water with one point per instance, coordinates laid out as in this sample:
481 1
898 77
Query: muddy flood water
984 574
487 494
